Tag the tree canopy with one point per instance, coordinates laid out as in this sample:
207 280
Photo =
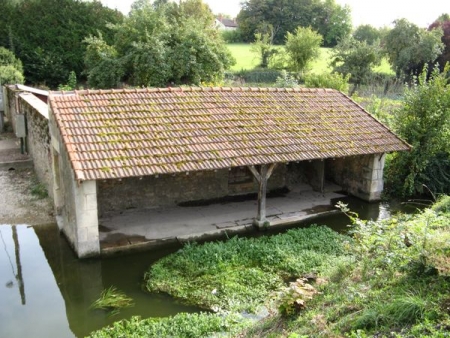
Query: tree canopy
47 35
328 18
367 33
159 44
11 70
443 22
357 58
409 47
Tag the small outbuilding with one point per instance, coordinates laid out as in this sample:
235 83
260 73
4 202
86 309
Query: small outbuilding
147 148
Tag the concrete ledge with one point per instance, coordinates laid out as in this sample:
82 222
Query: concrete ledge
214 234
297 219
24 164
129 246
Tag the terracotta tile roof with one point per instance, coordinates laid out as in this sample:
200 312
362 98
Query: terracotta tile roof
125 133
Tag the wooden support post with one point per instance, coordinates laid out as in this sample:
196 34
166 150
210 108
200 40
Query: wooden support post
322 176
262 177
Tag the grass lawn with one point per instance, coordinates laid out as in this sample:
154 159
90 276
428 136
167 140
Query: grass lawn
245 59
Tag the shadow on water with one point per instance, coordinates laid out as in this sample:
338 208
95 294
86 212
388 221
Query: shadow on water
45 291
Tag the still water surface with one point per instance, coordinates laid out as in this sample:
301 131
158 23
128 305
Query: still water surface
45 291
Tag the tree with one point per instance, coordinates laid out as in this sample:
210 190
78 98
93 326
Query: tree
103 68
264 48
47 35
159 45
443 22
356 58
336 23
11 70
424 122
331 20
302 47
367 33
409 47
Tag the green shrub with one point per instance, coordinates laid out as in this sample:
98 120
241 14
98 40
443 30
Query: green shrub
291 300
285 80
442 204
424 122
71 82
231 36
327 80
259 75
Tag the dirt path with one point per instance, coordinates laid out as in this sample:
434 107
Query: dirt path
17 204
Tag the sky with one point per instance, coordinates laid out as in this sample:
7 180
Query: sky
377 13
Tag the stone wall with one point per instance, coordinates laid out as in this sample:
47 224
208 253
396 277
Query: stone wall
38 137
19 102
305 172
361 176
170 190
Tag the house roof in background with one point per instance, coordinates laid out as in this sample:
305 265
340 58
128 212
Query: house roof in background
228 22
139 132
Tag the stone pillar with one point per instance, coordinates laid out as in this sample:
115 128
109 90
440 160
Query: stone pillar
262 176
373 177
87 235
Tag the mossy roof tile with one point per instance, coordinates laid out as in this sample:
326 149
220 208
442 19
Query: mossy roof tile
138 132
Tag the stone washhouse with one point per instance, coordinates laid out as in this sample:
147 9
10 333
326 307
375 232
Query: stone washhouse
147 148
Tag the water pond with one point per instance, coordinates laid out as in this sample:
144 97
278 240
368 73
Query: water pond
45 291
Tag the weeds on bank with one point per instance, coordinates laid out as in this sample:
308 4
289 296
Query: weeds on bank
241 273
39 190
112 300
394 283
183 325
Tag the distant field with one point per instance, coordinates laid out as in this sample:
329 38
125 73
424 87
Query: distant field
245 59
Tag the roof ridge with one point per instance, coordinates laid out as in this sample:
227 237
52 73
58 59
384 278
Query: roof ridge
188 89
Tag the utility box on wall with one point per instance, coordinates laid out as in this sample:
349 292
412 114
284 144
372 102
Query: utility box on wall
20 126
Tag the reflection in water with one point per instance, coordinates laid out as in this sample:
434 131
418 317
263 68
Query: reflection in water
19 277
42 315
60 288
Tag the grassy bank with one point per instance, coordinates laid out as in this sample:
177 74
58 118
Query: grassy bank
390 279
